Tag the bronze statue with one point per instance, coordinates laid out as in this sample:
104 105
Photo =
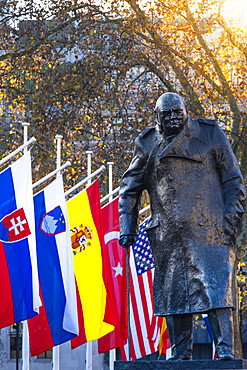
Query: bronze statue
196 195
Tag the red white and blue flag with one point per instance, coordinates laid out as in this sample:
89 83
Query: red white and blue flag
57 321
147 331
18 273
141 298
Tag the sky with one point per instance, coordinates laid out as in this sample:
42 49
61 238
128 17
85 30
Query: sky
235 11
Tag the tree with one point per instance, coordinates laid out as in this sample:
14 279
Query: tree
65 71
93 73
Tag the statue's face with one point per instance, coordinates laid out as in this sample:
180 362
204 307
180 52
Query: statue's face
171 114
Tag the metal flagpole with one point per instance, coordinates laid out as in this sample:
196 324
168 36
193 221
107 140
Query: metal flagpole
89 165
110 164
59 169
89 346
112 352
115 191
25 126
82 182
55 352
25 337
59 139
143 210
16 151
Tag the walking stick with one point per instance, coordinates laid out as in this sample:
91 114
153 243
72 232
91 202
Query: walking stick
128 296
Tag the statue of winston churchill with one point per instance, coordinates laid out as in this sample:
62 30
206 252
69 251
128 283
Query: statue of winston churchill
196 195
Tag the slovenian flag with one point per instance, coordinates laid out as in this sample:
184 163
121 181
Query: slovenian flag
57 321
18 273
87 236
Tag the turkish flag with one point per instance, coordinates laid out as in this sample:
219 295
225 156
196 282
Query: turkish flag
114 266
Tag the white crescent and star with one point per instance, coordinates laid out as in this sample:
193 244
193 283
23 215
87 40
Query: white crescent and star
111 236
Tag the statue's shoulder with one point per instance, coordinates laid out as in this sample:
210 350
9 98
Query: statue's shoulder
147 138
211 129
207 121
148 132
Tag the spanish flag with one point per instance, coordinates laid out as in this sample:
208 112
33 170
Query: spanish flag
85 222
164 342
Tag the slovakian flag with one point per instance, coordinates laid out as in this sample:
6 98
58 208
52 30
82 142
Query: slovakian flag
141 298
57 321
87 237
115 267
18 273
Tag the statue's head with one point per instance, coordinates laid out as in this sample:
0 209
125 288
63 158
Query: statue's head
171 114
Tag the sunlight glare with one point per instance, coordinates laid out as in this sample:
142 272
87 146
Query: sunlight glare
235 12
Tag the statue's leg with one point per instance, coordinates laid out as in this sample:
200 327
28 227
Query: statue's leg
221 322
180 334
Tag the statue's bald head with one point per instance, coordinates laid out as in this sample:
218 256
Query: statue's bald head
168 99
171 113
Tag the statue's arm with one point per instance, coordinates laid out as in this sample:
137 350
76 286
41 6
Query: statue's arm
131 187
232 182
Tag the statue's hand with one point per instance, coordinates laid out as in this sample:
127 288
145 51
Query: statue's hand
127 240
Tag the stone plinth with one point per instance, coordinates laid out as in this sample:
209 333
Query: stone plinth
179 365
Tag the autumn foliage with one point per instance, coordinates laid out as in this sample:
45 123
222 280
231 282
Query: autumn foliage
92 71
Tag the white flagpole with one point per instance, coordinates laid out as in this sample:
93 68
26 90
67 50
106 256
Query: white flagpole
25 336
89 165
59 139
110 195
76 186
66 164
110 164
16 151
25 126
112 352
56 349
143 210
89 346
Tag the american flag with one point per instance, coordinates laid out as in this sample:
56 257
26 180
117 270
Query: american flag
141 298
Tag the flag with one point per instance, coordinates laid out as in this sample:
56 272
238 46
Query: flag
114 264
18 273
87 237
141 297
164 342
57 321
206 321
158 330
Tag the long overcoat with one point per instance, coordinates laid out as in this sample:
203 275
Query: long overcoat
196 194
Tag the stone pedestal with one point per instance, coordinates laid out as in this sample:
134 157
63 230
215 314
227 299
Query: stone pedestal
179 365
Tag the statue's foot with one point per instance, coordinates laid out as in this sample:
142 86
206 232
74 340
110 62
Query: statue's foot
223 352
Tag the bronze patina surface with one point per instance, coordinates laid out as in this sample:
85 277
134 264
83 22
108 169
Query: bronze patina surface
196 195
